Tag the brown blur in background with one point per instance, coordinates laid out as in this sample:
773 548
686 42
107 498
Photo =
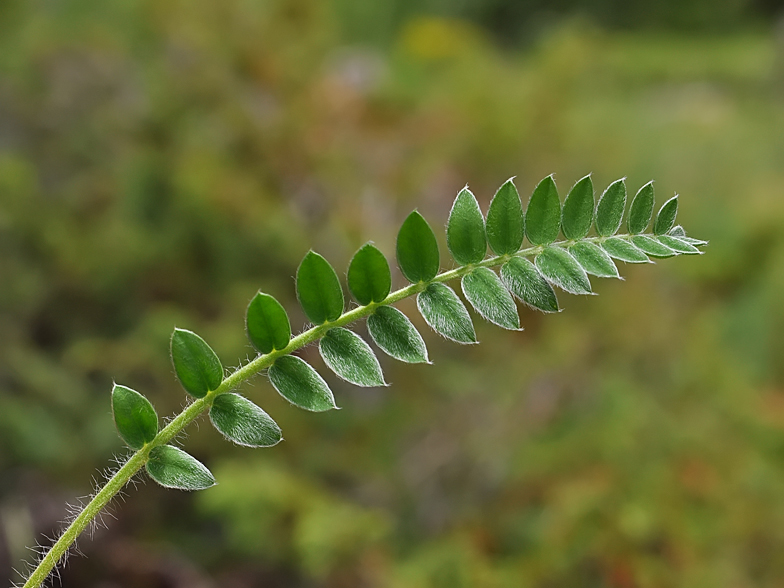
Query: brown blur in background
161 160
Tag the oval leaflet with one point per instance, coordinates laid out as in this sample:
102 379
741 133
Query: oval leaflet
444 312
417 249
173 468
391 330
369 278
244 423
487 294
134 417
505 226
195 363
347 354
318 289
267 324
577 215
543 216
465 229
300 384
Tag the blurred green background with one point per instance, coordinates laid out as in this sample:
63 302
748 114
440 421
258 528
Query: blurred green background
162 160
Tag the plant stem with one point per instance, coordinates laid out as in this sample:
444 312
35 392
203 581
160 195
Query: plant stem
118 481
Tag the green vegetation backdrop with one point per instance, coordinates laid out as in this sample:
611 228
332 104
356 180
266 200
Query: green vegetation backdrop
160 161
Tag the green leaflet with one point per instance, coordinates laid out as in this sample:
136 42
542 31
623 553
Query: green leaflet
318 289
594 260
347 354
641 210
652 247
195 363
561 269
391 330
369 279
621 249
691 240
484 290
417 249
543 217
465 229
679 245
678 231
241 421
300 384
173 468
445 313
267 324
666 217
609 211
505 221
134 417
577 215
524 281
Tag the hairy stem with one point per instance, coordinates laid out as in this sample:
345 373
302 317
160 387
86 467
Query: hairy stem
191 412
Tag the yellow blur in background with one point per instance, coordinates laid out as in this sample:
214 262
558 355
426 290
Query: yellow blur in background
160 161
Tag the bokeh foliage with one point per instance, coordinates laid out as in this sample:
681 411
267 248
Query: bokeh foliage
161 161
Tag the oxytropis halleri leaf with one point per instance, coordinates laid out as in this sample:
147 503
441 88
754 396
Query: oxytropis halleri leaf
515 270
564 264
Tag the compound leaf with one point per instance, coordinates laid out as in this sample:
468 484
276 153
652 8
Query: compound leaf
347 354
244 423
524 281
396 336
577 215
465 229
652 247
641 210
609 211
487 294
318 289
134 417
666 217
417 249
505 220
594 260
624 250
561 269
679 245
173 468
543 217
444 312
300 384
369 279
267 324
195 363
